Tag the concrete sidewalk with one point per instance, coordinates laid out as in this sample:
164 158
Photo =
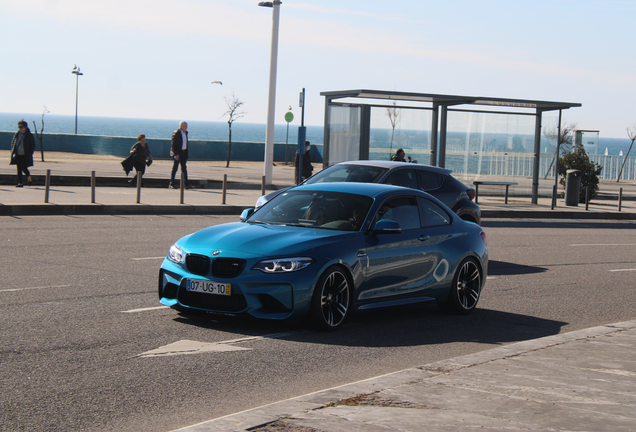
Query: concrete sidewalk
70 191
578 381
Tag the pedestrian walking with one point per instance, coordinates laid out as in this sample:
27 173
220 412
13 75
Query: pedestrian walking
179 152
140 157
307 166
22 148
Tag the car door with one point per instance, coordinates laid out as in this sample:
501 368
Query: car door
396 265
405 177
439 186
440 238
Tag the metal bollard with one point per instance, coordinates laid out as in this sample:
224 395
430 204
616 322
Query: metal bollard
620 198
92 187
554 192
138 187
181 186
224 188
587 197
47 186
263 186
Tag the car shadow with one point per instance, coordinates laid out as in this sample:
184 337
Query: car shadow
403 326
502 268
560 224
427 325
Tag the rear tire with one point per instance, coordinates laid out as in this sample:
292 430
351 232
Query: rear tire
331 300
465 290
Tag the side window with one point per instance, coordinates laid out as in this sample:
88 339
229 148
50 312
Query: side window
429 180
432 214
403 210
403 177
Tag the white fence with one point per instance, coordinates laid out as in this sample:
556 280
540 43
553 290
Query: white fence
521 164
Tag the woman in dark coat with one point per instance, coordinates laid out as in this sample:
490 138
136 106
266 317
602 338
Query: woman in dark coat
141 156
307 166
22 148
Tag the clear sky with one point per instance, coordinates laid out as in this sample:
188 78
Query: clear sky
157 58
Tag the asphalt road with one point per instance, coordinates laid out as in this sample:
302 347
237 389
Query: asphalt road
82 335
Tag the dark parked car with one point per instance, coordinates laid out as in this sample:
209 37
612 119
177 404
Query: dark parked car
436 181
323 251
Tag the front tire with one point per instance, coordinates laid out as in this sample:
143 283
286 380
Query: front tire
331 300
466 289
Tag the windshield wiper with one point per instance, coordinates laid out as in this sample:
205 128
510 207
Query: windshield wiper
256 222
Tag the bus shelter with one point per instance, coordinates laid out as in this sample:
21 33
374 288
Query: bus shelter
458 132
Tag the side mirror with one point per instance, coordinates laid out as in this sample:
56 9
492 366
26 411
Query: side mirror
386 226
246 214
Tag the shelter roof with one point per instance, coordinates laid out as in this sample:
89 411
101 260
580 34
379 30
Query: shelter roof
449 99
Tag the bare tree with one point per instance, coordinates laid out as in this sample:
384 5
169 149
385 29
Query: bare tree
233 104
631 133
563 141
394 114
39 136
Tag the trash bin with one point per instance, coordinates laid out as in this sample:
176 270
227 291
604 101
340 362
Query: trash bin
572 187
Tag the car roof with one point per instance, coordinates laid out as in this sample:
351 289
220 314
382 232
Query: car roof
391 164
378 191
368 189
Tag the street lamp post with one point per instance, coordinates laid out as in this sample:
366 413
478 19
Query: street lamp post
271 100
76 71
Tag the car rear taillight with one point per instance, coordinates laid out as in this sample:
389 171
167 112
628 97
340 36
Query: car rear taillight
483 237
471 194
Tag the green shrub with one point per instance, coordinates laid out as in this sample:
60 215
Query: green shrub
579 160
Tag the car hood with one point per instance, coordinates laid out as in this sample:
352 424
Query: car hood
258 240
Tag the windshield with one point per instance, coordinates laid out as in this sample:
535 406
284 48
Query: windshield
348 173
315 209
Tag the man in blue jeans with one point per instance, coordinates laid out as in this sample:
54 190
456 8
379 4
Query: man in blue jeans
179 152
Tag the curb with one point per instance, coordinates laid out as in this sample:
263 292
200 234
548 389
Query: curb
270 413
148 182
551 214
117 209
193 209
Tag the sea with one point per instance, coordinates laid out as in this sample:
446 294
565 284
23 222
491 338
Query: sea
154 128
206 130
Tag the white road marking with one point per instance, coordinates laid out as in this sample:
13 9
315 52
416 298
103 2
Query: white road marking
620 372
604 244
145 309
148 258
621 270
491 277
190 347
33 288
185 346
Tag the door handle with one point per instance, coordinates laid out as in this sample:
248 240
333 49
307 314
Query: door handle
361 253
423 237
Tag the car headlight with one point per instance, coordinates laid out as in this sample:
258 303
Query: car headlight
176 254
283 265
260 201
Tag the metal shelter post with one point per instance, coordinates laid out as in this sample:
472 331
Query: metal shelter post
537 152
365 131
326 134
442 137
434 123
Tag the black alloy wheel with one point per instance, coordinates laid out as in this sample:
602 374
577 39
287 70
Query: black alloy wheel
331 300
466 288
